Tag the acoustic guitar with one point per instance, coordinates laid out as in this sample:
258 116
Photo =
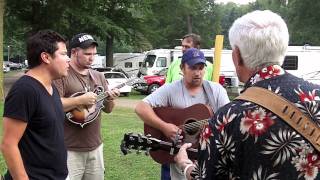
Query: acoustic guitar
83 115
189 119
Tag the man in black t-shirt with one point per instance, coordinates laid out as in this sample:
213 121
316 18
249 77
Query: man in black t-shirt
32 144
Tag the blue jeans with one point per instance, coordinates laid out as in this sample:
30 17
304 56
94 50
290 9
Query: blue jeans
165 172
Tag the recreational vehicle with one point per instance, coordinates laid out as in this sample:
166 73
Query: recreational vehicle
99 62
128 62
303 61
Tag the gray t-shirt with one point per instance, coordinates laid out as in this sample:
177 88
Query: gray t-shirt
176 95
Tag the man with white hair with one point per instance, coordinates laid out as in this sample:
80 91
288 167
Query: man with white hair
245 140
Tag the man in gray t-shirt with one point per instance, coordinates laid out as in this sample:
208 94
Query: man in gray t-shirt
190 90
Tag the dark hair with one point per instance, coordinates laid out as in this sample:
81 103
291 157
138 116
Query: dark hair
43 41
195 39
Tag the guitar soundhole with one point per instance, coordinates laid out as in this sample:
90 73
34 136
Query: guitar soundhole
191 127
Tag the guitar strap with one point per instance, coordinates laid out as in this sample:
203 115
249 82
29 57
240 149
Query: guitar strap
287 111
94 78
208 91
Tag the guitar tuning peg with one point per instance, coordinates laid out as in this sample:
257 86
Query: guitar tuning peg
139 150
147 153
148 135
149 141
140 140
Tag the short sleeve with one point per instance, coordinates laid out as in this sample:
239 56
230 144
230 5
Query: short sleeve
20 102
160 97
59 84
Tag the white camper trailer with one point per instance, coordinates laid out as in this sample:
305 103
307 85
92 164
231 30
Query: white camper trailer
128 62
303 61
99 62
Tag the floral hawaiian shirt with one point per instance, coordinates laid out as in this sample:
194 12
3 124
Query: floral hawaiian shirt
246 141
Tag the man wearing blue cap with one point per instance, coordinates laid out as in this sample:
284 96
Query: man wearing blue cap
190 90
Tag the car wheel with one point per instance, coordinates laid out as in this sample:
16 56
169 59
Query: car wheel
152 88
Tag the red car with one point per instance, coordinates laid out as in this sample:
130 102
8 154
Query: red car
152 82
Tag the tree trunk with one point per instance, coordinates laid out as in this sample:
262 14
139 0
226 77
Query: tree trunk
189 21
1 48
109 50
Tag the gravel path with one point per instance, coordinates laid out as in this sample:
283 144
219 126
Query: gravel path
128 103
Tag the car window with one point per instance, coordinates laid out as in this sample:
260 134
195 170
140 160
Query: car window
108 75
161 62
149 61
118 75
114 75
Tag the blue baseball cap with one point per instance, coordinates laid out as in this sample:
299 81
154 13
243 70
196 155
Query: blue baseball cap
193 56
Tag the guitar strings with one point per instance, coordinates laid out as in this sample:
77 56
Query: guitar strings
194 125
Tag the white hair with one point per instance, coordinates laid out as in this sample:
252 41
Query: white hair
262 38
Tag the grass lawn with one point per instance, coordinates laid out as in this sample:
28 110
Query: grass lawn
134 95
118 166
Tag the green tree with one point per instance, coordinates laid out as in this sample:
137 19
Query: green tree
304 18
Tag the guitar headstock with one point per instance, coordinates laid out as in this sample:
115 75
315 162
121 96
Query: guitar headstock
138 142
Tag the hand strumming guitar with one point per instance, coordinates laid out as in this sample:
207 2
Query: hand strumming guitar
171 131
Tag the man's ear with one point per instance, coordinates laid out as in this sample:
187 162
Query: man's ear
238 57
73 51
45 57
181 66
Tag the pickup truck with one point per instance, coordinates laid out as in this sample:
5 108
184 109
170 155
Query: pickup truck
151 82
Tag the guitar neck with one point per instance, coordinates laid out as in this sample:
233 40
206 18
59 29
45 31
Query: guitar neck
105 94
146 143
166 146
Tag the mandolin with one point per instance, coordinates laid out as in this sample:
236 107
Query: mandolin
83 115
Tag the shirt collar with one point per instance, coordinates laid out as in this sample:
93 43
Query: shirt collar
263 74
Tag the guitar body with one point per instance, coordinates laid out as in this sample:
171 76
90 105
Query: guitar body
83 115
181 118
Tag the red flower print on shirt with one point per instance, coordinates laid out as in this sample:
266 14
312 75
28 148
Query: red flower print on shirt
270 71
225 120
307 163
256 122
306 96
205 135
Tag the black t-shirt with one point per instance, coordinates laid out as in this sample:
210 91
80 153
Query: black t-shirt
42 145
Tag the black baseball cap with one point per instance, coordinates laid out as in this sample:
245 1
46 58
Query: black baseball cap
82 40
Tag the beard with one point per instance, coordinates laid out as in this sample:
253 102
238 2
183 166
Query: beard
196 82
